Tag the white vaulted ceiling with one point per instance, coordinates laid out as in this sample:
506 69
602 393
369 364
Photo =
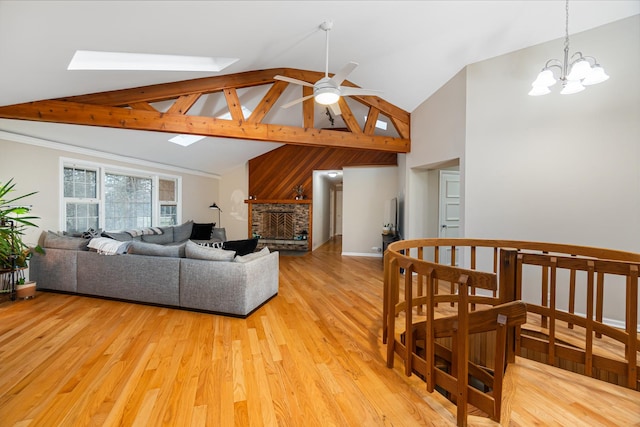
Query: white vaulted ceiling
406 49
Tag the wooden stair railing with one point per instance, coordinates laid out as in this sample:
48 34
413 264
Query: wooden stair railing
459 327
570 282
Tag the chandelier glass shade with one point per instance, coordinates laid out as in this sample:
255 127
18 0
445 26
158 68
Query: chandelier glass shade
574 72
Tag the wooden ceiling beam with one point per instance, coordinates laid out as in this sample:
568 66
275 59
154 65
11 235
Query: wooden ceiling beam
184 103
56 111
372 117
347 116
233 102
134 109
267 102
166 91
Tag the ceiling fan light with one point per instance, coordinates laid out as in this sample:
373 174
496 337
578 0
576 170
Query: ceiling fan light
326 96
597 76
572 86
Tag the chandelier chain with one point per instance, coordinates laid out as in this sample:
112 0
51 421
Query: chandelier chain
566 26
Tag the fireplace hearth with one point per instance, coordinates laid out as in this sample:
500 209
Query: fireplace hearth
281 224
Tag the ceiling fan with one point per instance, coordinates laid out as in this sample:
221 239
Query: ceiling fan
327 90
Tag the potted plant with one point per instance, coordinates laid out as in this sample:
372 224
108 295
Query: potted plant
14 253
386 228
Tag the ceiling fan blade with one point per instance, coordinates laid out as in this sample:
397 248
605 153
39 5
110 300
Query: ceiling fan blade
335 109
294 81
297 101
347 91
341 75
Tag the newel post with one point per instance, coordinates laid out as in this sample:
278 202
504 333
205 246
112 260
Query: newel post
508 282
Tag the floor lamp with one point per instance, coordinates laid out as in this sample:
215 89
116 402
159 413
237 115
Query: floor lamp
216 207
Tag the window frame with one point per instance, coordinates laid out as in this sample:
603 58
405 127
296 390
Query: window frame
102 169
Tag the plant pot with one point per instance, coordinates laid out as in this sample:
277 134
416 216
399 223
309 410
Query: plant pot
386 230
26 291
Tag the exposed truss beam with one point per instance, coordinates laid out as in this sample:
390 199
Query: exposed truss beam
133 109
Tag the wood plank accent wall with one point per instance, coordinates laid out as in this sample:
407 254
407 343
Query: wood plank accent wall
274 174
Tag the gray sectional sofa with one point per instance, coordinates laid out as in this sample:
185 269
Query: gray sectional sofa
185 275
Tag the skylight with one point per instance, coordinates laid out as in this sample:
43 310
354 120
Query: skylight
96 60
186 140
379 124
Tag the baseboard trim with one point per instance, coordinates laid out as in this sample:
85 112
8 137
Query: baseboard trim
362 254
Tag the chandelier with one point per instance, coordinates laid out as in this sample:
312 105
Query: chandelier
575 71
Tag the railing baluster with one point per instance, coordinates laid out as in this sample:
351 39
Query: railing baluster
588 347
632 322
552 318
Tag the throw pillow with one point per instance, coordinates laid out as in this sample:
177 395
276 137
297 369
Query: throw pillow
219 234
201 231
55 241
242 247
255 255
160 239
182 232
195 251
143 248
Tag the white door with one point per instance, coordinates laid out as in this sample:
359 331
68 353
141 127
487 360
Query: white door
449 211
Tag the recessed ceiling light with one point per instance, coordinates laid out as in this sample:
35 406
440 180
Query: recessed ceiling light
96 60
186 140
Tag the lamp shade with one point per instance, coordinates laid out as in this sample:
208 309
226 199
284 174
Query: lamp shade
579 70
215 206
572 86
597 76
539 90
544 79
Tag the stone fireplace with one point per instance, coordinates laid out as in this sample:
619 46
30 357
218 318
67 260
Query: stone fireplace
281 224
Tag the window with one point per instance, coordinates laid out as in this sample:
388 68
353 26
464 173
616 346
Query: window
168 202
81 199
127 201
98 196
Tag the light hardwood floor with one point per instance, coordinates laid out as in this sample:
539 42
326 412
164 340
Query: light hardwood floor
312 356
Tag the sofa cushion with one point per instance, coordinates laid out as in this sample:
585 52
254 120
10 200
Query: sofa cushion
195 251
255 255
182 232
201 231
54 240
144 248
242 247
160 239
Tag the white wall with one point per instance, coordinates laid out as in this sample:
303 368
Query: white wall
561 168
554 168
365 192
234 187
438 132
321 209
36 167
